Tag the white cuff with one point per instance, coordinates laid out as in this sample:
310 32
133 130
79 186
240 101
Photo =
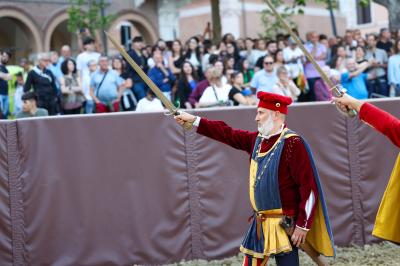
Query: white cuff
302 228
196 122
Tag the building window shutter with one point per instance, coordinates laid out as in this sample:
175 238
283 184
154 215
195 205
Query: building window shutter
363 13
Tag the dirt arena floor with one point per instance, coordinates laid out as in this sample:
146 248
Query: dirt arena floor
383 254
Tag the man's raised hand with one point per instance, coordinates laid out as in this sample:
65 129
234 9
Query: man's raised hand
184 117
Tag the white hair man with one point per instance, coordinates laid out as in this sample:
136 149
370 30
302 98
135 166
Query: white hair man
285 191
43 83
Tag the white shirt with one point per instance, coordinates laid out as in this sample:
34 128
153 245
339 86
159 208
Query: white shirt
290 90
151 63
83 59
193 60
294 68
19 91
86 85
221 95
145 105
205 61
251 56
255 55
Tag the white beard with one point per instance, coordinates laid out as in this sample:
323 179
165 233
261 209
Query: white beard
266 127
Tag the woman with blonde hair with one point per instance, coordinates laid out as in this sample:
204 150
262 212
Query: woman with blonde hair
217 93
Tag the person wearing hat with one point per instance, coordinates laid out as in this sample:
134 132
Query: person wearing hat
29 107
285 191
388 217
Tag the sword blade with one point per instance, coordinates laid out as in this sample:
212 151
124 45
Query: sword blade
336 89
167 103
301 46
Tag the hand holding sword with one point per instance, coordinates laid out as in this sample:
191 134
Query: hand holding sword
336 90
167 103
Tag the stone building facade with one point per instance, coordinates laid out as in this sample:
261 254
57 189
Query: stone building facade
32 26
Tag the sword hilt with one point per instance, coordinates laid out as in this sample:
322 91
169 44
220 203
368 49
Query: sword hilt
338 91
187 125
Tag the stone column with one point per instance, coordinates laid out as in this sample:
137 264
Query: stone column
348 9
168 19
230 11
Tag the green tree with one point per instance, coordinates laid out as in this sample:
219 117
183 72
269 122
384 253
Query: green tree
272 25
87 14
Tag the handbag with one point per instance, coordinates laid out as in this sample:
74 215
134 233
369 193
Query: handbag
72 100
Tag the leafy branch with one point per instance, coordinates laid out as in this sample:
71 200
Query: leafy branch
82 17
272 25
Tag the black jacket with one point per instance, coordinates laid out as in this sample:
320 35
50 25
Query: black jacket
43 83
141 61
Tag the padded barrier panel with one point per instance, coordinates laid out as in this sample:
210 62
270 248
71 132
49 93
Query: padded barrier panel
127 188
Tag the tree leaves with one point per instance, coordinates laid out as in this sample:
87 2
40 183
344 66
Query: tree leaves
272 26
87 14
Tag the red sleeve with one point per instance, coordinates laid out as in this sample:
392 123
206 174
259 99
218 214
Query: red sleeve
381 121
236 138
301 170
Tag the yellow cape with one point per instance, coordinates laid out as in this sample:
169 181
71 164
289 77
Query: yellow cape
387 224
318 236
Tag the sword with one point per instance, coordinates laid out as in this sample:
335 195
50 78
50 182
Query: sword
336 90
167 103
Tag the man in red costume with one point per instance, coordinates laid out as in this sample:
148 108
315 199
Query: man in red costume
388 218
285 191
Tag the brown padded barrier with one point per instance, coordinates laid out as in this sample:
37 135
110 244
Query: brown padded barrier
127 188
5 216
377 157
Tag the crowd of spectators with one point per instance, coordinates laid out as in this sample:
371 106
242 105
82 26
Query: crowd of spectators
199 73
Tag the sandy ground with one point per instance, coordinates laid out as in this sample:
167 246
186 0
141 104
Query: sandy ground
383 254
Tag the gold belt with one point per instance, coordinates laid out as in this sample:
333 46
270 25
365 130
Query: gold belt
261 217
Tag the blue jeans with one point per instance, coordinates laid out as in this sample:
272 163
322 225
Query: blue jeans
378 86
139 89
4 105
397 90
89 105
